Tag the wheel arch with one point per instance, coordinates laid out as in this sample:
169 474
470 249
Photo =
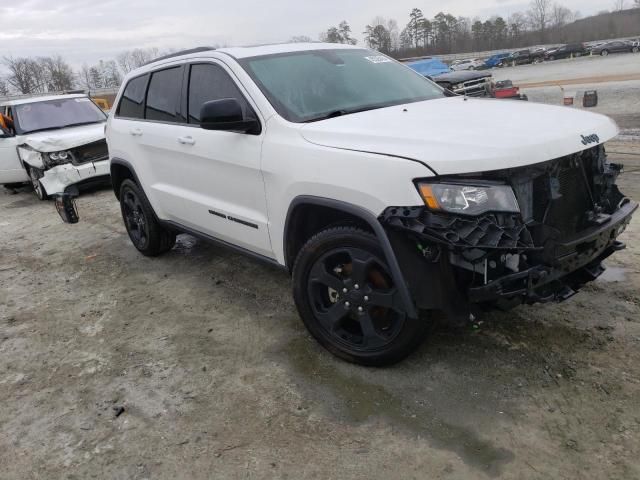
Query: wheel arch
120 171
308 215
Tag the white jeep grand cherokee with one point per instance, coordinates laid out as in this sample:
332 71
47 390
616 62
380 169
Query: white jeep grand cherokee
387 198
54 142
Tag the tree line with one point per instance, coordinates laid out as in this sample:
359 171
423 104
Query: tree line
27 75
544 22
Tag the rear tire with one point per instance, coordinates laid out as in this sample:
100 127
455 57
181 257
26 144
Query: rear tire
604 53
635 50
347 299
146 233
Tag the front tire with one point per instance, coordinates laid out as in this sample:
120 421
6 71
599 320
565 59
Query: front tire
144 230
604 53
635 50
35 174
348 301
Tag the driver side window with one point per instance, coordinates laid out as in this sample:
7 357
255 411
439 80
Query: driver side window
211 82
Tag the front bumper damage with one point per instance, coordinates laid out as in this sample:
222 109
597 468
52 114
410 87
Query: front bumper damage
56 180
571 216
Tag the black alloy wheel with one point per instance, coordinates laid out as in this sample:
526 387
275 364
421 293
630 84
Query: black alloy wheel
348 300
144 229
135 219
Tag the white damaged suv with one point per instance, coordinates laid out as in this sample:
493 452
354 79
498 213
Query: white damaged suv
54 142
385 196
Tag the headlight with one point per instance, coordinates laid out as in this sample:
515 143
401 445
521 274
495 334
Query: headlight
55 156
468 199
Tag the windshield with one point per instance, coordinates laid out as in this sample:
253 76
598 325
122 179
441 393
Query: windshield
314 85
55 114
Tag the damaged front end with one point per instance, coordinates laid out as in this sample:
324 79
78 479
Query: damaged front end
60 169
567 216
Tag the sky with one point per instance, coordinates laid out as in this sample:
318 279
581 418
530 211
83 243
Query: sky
85 31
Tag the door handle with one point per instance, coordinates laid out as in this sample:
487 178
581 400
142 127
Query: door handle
186 140
136 132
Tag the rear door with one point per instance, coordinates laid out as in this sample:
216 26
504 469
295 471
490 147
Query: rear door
220 180
156 137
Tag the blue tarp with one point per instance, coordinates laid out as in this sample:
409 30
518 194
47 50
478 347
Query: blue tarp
429 67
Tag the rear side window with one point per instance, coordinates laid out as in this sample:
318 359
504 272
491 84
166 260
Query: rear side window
132 103
211 82
163 96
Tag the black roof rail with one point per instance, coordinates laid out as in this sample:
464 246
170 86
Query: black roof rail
180 53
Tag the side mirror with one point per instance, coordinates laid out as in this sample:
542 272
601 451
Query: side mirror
226 114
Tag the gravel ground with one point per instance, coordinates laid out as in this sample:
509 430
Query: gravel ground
195 365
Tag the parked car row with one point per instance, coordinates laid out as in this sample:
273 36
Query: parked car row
537 55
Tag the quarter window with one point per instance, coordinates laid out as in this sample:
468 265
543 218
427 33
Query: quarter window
210 82
132 103
164 95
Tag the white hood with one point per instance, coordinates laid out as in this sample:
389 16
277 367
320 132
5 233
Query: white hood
456 135
56 140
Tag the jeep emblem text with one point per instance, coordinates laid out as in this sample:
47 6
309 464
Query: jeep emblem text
590 139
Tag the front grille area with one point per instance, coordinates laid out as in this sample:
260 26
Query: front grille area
473 88
562 196
91 152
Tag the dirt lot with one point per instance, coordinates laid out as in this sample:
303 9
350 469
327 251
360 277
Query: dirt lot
616 78
219 379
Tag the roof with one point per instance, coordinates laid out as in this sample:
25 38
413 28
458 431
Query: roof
249 51
258 50
43 98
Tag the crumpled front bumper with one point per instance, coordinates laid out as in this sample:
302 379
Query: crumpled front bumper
433 252
56 180
569 271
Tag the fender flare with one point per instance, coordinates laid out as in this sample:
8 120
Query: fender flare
128 165
379 231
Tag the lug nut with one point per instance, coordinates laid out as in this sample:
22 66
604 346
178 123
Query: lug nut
360 309
356 286
366 299
344 290
347 304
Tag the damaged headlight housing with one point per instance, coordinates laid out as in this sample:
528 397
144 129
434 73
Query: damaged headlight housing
58 158
468 199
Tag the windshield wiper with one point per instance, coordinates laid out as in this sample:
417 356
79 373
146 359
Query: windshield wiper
44 129
79 124
340 113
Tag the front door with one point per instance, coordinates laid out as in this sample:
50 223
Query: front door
218 172
11 170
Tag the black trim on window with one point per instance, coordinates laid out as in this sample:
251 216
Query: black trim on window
144 97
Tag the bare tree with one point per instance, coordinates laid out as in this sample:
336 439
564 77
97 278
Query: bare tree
59 74
560 16
618 5
4 88
300 39
132 59
539 12
25 75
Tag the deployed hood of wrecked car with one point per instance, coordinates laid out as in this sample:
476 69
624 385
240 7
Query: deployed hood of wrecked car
457 135
64 139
